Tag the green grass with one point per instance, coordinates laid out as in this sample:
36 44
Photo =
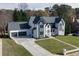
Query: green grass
53 46
74 40
10 48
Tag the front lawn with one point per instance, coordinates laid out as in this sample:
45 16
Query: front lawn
10 48
74 40
53 46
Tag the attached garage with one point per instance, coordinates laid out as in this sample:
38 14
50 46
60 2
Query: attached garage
22 34
19 33
14 34
19 29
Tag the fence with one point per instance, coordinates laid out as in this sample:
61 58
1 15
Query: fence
65 52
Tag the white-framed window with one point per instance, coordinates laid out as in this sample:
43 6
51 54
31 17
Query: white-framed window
61 27
41 33
14 34
41 26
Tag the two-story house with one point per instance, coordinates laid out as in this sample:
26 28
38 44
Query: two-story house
38 27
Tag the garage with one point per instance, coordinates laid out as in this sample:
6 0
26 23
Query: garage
19 33
22 34
19 29
14 34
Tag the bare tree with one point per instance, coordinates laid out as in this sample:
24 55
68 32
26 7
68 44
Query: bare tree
22 6
5 17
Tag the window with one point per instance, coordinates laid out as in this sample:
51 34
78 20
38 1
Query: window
48 31
61 24
14 34
41 26
48 26
61 27
41 33
53 30
22 33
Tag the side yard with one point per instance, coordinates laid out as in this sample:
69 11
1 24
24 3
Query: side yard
74 40
54 46
10 48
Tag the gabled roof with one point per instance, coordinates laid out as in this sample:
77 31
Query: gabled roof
18 25
45 19
53 25
37 18
57 20
25 26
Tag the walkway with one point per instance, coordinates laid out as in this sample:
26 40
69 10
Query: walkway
32 47
0 47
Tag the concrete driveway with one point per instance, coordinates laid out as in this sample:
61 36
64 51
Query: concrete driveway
0 47
32 47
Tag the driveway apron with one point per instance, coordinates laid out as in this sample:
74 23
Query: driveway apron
32 47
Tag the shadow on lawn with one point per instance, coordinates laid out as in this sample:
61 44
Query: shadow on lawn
60 53
4 36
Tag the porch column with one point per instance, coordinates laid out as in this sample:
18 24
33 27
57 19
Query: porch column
37 31
17 34
10 34
44 30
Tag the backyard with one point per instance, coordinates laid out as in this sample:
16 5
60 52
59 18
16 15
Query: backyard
10 48
54 46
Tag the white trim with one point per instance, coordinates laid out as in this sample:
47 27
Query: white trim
37 31
44 30
17 30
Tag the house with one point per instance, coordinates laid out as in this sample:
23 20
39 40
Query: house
38 27
76 27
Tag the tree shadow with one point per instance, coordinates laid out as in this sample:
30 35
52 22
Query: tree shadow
4 36
60 53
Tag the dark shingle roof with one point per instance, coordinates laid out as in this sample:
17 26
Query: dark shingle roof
37 18
47 19
25 26
53 25
57 20
18 25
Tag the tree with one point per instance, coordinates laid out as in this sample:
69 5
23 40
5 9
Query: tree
20 15
5 18
65 11
47 10
15 15
40 13
53 10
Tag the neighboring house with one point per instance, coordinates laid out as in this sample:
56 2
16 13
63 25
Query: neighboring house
38 27
76 26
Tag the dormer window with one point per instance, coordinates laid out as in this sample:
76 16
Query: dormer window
41 26
48 26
